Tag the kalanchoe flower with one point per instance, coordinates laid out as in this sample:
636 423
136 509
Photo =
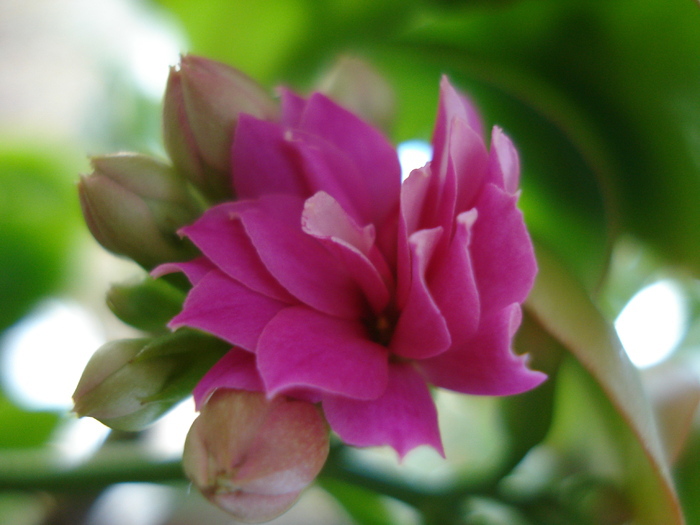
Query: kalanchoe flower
134 204
336 284
203 100
253 456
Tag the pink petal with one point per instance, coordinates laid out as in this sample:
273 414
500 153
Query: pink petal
236 370
453 105
404 417
421 330
504 163
373 155
413 194
303 348
502 252
324 219
220 236
469 159
195 269
485 365
263 160
453 285
292 107
326 168
227 309
298 261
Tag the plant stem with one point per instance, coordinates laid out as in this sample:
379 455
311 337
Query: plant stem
43 469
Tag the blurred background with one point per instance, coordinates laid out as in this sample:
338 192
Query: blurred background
602 99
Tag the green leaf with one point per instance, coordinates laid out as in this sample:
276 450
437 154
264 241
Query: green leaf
563 307
364 506
38 223
23 429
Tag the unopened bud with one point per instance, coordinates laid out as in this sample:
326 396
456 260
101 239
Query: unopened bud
134 204
358 87
148 305
203 99
127 384
253 456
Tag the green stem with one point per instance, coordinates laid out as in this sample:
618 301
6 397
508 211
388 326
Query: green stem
43 469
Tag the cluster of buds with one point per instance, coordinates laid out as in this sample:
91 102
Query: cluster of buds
250 454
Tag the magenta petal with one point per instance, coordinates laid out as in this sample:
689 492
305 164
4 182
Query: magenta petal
413 195
220 236
504 163
404 417
373 155
329 169
453 285
421 330
195 269
453 105
485 365
236 370
298 261
263 161
292 107
227 309
302 348
469 159
502 252
324 219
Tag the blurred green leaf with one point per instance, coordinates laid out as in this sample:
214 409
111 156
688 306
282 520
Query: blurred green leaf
562 306
22 429
365 507
38 221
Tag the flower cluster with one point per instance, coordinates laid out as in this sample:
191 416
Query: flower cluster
337 286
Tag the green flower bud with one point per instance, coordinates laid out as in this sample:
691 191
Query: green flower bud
134 204
203 99
128 384
252 456
148 305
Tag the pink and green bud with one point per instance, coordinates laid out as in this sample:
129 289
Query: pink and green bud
134 204
203 100
253 456
128 384
357 86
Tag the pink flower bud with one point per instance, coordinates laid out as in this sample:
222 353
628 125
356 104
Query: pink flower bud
355 85
252 456
134 204
203 99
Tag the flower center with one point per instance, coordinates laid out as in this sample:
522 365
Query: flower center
381 328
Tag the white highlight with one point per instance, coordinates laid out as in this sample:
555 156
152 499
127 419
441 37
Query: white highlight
78 439
413 154
45 353
166 438
132 503
653 322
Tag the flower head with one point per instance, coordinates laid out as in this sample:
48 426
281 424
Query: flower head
337 284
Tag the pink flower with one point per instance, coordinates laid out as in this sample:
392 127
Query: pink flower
337 284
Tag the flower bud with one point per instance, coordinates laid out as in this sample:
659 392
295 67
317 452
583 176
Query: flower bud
253 456
147 305
203 99
129 383
134 204
355 85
